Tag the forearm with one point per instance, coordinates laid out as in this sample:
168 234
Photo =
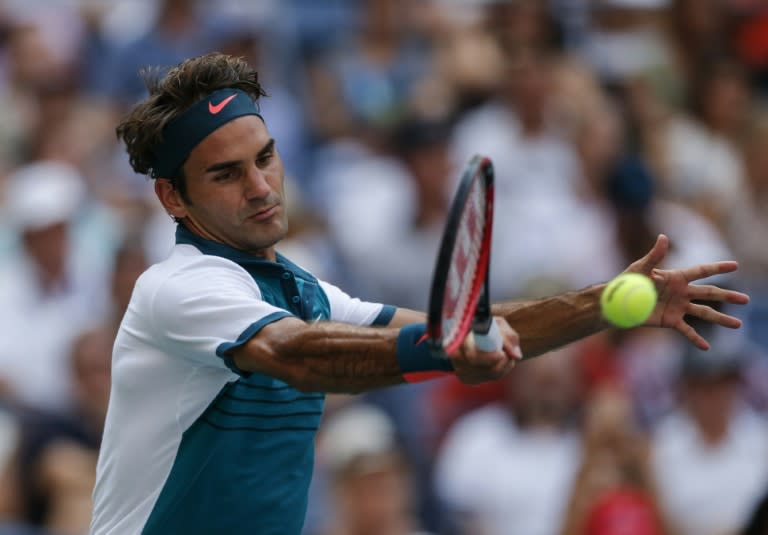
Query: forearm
324 356
548 323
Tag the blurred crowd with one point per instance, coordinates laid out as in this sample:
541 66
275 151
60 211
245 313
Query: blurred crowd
608 122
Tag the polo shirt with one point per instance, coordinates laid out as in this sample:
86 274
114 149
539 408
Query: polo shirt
192 444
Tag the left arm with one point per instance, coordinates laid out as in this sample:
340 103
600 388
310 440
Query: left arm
546 324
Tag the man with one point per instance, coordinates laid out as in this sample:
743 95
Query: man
508 467
227 347
713 448
46 281
371 490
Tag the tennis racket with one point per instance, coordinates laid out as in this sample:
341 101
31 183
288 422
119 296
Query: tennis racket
459 299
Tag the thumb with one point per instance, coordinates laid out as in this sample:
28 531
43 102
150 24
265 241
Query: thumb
653 258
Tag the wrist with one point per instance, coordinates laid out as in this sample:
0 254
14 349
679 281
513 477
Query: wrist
415 357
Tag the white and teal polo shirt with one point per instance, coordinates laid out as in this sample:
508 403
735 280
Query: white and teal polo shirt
192 445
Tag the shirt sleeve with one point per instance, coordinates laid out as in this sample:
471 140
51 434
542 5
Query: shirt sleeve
205 309
352 310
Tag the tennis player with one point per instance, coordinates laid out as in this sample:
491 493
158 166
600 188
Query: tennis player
226 350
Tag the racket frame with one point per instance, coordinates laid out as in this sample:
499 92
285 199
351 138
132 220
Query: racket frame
480 318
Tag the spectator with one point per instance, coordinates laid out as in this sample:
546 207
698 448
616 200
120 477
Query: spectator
626 38
422 155
508 468
526 24
751 45
700 32
57 454
181 29
710 456
49 290
371 485
746 225
537 182
367 79
28 66
696 155
614 490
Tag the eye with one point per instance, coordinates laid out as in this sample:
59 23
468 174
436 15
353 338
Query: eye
229 174
264 159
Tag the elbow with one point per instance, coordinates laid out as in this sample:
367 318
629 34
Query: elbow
276 356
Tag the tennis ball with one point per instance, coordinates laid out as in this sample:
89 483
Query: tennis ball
628 300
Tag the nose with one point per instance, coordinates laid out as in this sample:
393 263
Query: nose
256 185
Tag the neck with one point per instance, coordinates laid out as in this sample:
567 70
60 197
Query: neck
51 279
266 253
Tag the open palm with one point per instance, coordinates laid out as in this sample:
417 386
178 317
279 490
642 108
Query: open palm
677 293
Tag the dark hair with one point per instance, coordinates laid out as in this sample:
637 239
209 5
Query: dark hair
171 95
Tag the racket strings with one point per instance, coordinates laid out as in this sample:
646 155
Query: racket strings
464 264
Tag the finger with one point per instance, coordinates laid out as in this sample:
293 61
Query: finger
702 271
654 257
513 351
511 345
503 368
707 292
709 314
691 334
475 357
507 368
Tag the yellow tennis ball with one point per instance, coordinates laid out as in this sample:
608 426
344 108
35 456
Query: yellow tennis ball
628 300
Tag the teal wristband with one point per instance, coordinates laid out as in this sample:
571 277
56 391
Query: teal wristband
414 353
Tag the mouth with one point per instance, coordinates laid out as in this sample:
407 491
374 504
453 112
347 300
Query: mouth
265 214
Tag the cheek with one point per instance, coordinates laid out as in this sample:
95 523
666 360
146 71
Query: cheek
275 175
276 183
215 203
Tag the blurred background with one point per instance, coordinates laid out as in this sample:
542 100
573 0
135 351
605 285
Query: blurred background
608 121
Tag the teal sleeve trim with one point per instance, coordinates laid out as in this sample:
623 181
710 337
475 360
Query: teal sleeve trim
224 348
385 316
414 353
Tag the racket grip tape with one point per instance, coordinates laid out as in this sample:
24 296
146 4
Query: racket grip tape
415 356
490 341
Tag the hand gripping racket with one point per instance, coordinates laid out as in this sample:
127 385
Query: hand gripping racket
459 299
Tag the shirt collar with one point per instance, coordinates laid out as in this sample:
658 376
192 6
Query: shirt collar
246 260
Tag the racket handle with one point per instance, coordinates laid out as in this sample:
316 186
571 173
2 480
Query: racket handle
490 341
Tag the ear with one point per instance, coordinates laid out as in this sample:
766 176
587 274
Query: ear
170 198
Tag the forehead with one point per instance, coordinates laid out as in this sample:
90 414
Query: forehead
239 139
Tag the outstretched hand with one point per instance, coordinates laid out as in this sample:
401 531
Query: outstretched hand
677 293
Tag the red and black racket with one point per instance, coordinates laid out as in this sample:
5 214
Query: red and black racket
459 299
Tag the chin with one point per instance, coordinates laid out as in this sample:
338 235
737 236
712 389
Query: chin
267 239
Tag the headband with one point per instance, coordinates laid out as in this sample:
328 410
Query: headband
187 130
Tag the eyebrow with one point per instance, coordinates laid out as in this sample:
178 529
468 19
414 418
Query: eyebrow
219 166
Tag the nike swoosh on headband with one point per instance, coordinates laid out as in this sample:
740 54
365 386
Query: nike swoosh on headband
216 108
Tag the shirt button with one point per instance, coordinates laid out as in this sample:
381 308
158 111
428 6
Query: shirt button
296 299
286 275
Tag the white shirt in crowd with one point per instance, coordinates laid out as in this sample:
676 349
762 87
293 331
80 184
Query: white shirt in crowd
711 489
506 479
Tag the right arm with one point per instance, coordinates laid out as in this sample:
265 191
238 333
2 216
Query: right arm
208 306
323 356
337 357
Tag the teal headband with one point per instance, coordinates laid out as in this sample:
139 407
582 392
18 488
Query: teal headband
184 133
